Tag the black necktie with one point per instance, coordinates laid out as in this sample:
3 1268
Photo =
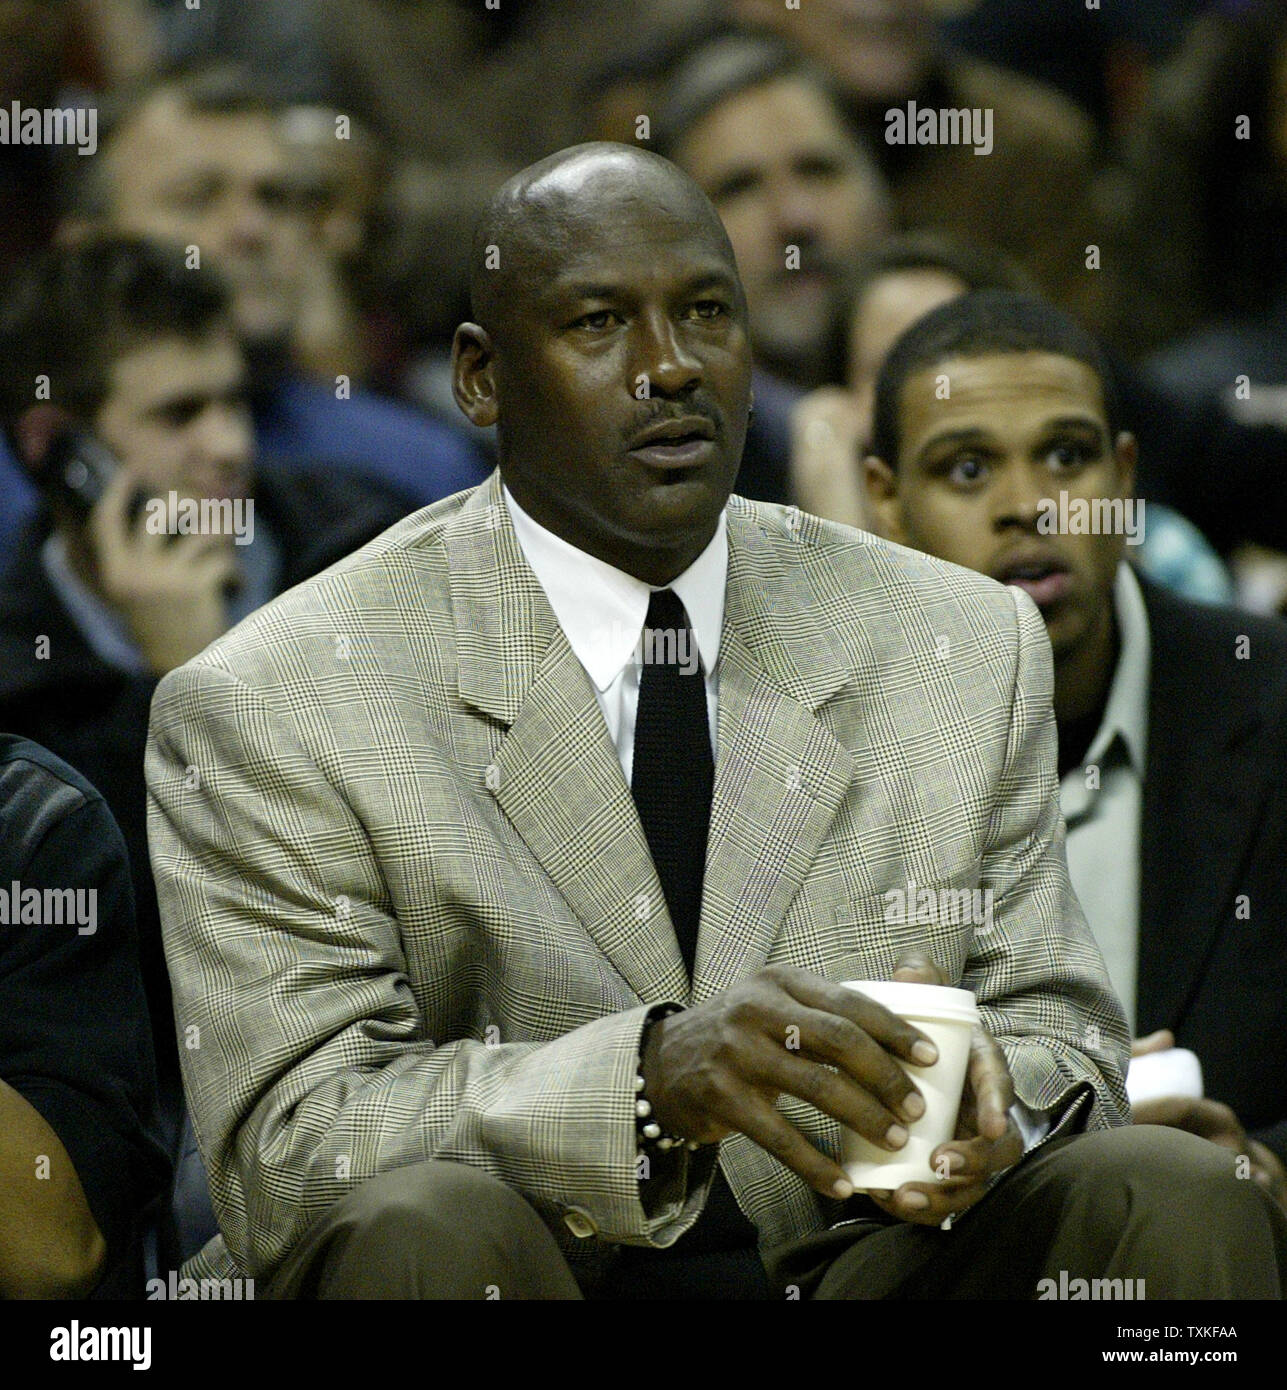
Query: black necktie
672 781
674 772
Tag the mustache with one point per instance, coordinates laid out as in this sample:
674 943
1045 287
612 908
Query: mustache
676 412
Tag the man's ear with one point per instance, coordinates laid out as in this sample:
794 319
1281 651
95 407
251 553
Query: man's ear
34 432
1126 451
884 507
473 375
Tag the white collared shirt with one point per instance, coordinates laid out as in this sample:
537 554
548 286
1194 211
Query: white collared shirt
602 610
1102 801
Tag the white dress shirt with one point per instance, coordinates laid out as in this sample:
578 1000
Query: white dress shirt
1102 809
602 610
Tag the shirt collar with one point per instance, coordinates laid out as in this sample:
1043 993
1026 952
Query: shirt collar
602 609
1126 712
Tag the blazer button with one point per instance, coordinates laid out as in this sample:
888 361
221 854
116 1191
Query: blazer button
580 1223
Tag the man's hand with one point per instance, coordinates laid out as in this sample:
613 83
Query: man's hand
169 590
1161 1041
827 429
719 1068
1209 1119
987 1139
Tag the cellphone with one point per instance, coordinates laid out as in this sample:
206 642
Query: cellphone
76 474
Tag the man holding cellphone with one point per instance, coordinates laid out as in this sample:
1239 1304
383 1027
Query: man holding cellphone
124 396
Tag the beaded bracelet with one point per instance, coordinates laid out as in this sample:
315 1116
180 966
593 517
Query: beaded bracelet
647 1130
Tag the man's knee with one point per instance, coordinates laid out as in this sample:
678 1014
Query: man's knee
1163 1179
1135 1156
431 1230
436 1197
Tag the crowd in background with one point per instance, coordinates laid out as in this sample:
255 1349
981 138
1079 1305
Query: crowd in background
1139 177
327 159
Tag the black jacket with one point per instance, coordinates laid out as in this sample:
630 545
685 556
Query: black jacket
74 1035
1213 852
96 717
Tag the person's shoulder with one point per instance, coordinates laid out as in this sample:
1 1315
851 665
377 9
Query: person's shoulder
1184 629
38 790
328 510
335 609
374 416
879 577
23 759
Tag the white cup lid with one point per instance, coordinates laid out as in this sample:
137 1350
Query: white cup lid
910 1000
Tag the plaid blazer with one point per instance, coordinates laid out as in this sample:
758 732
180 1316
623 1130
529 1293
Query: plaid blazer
409 910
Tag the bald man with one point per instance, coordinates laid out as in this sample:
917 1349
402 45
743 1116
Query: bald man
510 869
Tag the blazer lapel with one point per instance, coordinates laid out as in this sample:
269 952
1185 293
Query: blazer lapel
556 773
780 776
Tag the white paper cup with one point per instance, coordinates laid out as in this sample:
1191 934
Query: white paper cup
947 1017
1175 1072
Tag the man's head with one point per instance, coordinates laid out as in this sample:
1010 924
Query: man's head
119 338
608 312
201 160
900 282
875 51
764 138
986 409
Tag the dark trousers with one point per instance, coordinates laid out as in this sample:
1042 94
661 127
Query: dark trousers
1161 1208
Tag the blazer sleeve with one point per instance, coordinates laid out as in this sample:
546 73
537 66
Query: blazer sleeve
308 1064
1042 986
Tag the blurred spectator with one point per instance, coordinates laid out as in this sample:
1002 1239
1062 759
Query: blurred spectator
201 160
1210 188
889 289
342 181
99 596
275 38
1099 58
121 35
58 53
1208 184
1172 716
800 197
33 41
1033 196
894 287
80 1160
469 95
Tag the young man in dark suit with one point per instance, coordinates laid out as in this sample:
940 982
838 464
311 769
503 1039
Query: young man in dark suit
996 444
